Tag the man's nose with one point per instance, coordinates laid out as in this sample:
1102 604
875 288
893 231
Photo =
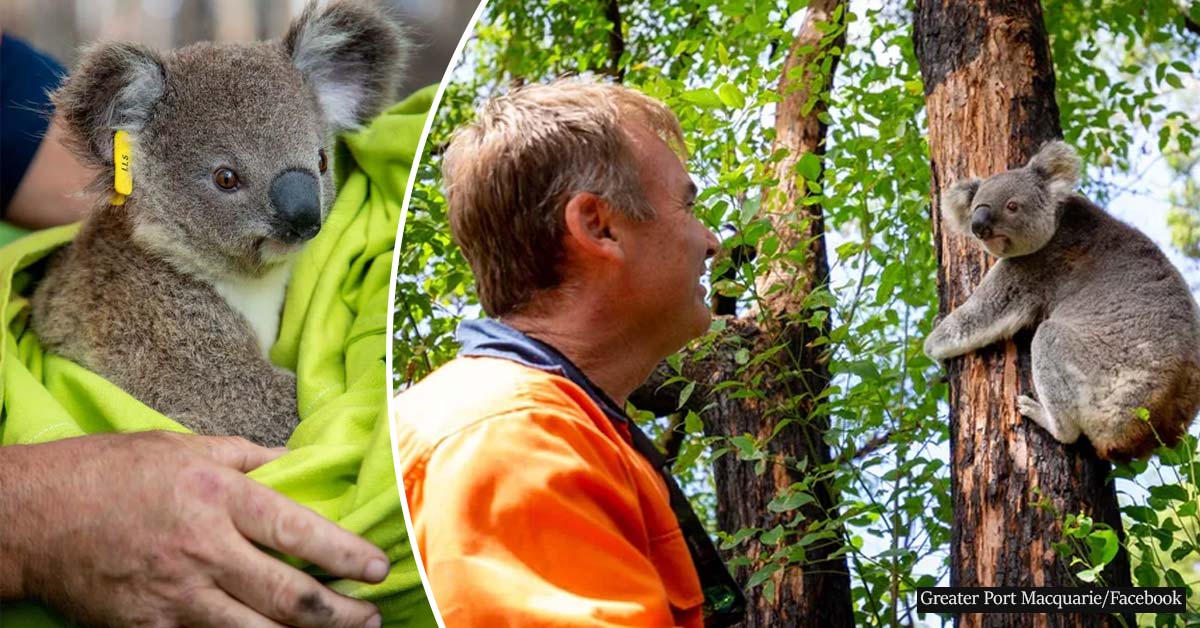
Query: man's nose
713 243
296 198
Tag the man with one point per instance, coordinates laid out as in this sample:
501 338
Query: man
533 498
151 528
39 178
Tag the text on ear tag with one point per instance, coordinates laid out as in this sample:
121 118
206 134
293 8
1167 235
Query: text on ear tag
122 173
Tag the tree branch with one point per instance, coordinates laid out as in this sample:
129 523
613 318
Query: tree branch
717 364
616 40
1191 24
875 443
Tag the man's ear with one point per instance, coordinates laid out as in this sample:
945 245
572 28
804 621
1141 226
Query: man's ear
956 205
589 227
351 55
114 87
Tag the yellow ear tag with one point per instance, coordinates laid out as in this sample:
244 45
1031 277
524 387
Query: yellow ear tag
122 174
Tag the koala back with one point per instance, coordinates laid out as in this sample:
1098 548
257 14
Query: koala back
1117 289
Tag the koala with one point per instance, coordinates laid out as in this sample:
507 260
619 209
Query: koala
1117 328
175 295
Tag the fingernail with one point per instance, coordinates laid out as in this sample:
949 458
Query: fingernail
376 571
374 622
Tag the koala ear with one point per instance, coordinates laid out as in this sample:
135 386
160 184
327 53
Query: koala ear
114 87
1058 165
351 55
956 204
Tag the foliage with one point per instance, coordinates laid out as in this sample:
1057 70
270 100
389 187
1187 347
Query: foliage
717 64
1133 104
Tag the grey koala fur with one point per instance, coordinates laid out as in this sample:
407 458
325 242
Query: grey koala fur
175 296
1117 327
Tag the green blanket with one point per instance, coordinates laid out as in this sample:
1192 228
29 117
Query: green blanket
333 335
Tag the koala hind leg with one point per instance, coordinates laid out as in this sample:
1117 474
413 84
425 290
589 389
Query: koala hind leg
1061 365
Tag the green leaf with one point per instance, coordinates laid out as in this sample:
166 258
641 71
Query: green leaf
1169 491
809 166
1174 579
686 394
772 536
745 444
1104 546
1146 574
738 538
1144 514
703 97
762 575
790 501
1088 575
750 209
731 96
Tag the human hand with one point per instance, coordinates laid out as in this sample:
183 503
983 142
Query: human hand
158 529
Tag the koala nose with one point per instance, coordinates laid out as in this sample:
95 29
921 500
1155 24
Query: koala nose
981 222
296 198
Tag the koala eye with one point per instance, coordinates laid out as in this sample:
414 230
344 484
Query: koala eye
1011 206
225 179
322 161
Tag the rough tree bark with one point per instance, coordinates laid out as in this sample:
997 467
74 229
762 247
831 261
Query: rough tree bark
989 93
815 592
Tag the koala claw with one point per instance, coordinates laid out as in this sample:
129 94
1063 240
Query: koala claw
1030 407
936 348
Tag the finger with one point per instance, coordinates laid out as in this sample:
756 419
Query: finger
270 519
237 452
286 594
214 608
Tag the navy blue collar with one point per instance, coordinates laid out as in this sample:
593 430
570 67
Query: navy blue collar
490 338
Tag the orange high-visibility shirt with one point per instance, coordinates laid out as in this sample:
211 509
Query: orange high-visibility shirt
531 508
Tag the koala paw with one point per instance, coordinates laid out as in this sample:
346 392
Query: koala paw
937 348
1030 407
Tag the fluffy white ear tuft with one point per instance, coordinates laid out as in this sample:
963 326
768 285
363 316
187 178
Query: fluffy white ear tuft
1058 165
956 205
114 87
351 54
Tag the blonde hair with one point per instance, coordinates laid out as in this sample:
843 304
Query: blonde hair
510 173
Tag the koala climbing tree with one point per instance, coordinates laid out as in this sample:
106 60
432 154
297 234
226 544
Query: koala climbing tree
174 292
989 93
1117 328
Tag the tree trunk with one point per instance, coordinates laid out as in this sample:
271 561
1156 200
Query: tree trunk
989 93
616 40
814 591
